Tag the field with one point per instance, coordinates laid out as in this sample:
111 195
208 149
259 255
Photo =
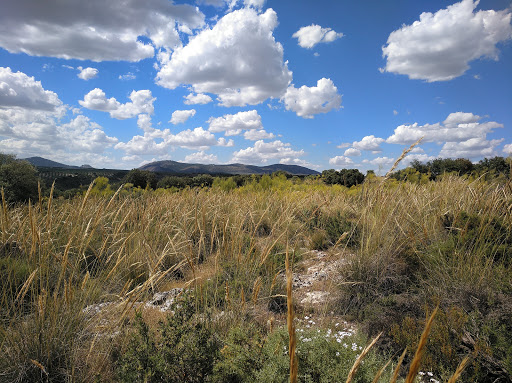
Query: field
77 277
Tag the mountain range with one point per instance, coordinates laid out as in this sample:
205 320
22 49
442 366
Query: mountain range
184 168
175 167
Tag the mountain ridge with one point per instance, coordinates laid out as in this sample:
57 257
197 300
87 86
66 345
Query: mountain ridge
175 167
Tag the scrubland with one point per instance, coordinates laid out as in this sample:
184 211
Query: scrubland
407 248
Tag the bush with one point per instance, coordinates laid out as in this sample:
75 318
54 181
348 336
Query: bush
323 355
183 349
18 179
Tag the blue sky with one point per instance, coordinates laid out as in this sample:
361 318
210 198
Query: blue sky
324 84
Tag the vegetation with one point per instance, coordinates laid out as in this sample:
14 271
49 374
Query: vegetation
76 275
17 178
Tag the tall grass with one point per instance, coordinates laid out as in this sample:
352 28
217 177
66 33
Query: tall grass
58 257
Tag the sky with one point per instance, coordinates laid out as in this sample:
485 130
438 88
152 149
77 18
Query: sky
323 84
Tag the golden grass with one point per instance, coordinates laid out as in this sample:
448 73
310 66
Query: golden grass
360 358
91 249
416 361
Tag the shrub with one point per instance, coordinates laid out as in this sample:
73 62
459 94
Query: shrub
18 179
183 349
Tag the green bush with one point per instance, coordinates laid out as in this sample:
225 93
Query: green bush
18 179
183 349
324 356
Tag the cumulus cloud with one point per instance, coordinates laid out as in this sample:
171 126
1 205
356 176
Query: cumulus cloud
341 161
439 46
95 29
33 123
297 161
308 101
380 161
87 73
461 134
238 60
256 135
201 158
352 152
142 102
471 148
194 99
457 127
19 90
262 152
160 142
313 34
507 149
181 116
369 143
234 124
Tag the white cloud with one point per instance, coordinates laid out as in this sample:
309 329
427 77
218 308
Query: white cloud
313 34
457 127
395 112
160 142
255 135
341 161
473 148
87 73
507 149
308 101
95 29
380 161
142 102
227 143
181 116
127 76
461 134
234 124
344 145
440 46
238 60
29 132
352 152
19 90
369 143
262 152
193 99
201 158
197 138
297 161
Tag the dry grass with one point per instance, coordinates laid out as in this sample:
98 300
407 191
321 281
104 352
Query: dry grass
228 246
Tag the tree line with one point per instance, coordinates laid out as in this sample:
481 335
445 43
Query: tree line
21 181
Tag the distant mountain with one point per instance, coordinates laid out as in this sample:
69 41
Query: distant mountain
44 163
183 168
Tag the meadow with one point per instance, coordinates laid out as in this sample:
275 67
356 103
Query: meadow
76 275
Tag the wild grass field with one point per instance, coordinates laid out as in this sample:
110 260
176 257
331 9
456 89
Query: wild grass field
76 276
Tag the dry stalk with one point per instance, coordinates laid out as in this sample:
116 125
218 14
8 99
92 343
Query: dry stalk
459 370
379 373
397 369
360 358
404 153
415 364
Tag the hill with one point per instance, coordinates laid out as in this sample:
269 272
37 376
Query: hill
184 168
44 163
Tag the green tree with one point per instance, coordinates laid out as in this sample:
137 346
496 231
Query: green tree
18 179
101 187
141 178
